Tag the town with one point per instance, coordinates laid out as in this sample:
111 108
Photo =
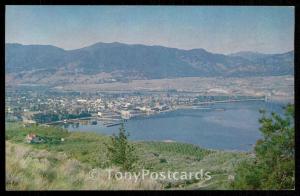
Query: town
109 108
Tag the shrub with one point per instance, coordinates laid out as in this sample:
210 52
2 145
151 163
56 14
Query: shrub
162 160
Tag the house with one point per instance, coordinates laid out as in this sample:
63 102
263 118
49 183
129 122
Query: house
33 138
30 137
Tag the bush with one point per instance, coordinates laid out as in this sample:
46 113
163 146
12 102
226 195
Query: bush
162 160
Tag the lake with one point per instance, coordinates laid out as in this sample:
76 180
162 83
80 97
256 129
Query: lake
235 128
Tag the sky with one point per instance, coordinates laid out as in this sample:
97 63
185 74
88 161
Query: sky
218 29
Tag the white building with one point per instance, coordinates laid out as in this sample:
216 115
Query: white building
125 114
81 100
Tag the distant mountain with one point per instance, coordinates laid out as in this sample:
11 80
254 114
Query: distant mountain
250 55
23 58
39 62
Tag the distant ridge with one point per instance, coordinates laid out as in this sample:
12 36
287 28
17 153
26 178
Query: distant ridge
140 61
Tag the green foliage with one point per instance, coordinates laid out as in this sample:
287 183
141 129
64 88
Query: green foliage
76 144
120 152
274 164
46 118
179 148
162 160
17 132
91 149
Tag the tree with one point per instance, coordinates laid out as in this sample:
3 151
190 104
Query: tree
120 151
274 164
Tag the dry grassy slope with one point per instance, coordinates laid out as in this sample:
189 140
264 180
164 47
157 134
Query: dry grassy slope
31 169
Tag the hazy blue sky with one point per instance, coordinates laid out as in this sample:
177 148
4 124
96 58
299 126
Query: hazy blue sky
222 29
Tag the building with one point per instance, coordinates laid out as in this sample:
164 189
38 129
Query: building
125 114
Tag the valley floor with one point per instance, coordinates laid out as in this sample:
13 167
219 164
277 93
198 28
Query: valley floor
277 88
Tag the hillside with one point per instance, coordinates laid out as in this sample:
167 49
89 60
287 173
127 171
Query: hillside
32 169
66 165
117 61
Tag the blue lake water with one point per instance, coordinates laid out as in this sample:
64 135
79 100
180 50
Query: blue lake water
235 128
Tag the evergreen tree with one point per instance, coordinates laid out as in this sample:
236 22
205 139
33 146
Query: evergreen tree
274 163
120 151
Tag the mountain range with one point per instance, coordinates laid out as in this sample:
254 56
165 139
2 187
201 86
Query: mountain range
118 61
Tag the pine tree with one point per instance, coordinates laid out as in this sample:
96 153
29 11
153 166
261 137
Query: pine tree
120 151
274 163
